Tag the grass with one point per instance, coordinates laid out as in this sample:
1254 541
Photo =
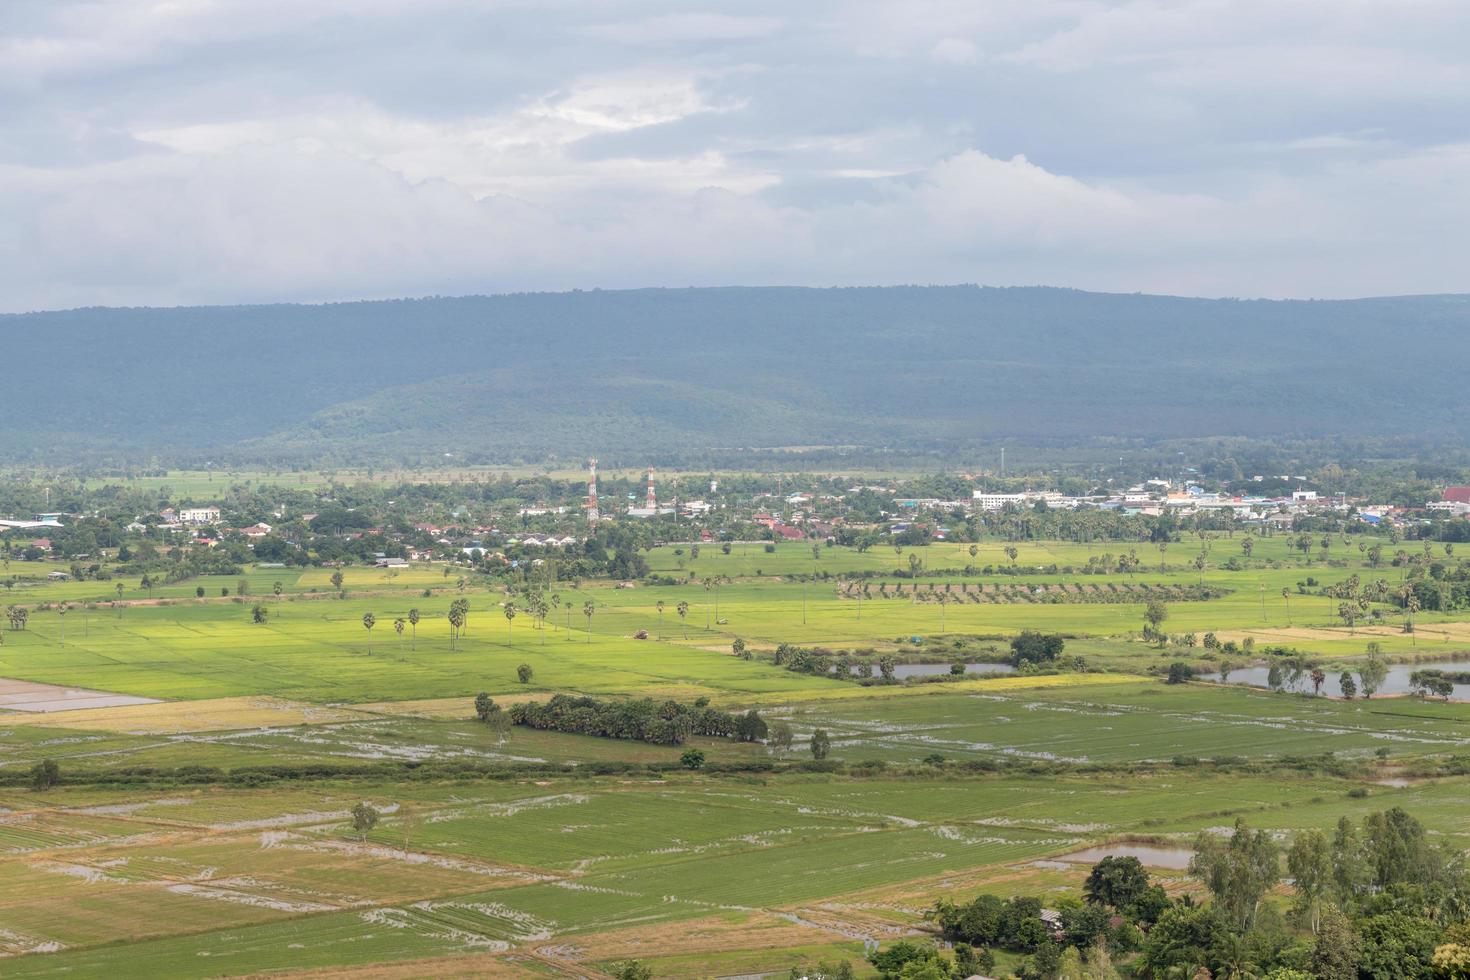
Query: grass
697 873
613 855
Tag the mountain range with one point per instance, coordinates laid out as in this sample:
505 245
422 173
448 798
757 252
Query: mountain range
696 372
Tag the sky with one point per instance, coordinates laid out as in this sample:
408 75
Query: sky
166 152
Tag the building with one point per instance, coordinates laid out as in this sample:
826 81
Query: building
1456 495
199 515
996 501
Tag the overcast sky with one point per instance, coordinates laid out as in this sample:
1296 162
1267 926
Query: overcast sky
162 152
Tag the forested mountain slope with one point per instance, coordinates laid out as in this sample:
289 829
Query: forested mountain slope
672 369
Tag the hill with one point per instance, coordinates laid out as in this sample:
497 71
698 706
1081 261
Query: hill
694 371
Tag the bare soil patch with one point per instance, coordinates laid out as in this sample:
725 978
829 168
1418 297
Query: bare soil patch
44 698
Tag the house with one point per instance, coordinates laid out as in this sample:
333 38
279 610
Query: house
256 530
199 515
391 563
58 576
788 532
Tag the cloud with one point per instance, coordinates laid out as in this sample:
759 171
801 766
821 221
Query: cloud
953 51
216 151
686 28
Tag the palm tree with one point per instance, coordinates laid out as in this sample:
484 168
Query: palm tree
398 625
510 616
413 621
683 610
588 608
456 620
278 588
368 622
660 607
1286 598
555 602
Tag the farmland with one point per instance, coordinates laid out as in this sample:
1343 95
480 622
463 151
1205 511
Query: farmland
210 833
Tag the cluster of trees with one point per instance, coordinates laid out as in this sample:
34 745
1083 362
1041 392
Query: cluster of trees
834 663
1432 683
1290 672
1034 648
658 722
1119 903
1376 900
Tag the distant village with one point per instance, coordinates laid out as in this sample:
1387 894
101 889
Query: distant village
392 534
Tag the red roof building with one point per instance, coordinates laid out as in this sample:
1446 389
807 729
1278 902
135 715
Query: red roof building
1459 495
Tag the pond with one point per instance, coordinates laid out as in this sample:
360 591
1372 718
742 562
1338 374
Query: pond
1397 681
929 670
1150 855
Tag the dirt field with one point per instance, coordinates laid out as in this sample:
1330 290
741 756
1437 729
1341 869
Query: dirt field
30 696
1290 635
140 716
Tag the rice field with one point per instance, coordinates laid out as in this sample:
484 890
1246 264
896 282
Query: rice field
937 788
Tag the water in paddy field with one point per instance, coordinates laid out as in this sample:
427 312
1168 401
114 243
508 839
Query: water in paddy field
1397 681
928 670
1150 855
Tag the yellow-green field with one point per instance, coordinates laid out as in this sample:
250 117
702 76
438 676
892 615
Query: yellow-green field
209 834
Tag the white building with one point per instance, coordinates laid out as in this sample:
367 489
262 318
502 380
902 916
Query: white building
199 515
996 501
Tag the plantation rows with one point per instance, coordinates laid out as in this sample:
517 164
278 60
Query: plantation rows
1051 594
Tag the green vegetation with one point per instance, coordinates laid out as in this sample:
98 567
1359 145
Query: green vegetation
1105 362
717 766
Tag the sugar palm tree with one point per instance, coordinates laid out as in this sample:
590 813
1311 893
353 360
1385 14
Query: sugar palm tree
413 621
510 617
660 607
398 625
368 622
456 620
683 610
588 608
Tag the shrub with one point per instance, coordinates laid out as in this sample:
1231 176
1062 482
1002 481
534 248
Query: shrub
45 775
1180 673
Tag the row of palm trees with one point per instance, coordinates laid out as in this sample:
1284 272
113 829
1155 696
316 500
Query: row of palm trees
458 617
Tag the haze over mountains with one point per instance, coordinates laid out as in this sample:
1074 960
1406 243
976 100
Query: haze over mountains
686 371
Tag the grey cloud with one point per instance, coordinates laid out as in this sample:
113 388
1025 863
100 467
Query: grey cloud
236 151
